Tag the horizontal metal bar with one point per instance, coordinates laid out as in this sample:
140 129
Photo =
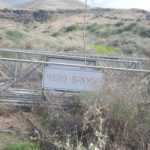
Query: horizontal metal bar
74 65
76 56
18 101
42 104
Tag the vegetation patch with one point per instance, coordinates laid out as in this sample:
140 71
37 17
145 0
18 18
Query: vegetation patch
71 28
106 50
23 146
103 31
134 28
68 29
7 54
55 34
14 35
92 27
119 28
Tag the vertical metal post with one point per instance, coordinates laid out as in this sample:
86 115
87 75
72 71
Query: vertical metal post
148 88
15 74
84 31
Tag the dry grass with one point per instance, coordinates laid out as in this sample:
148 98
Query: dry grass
108 120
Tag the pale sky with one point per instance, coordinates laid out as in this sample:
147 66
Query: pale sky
17 1
141 4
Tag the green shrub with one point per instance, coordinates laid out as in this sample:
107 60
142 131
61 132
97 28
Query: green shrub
118 24
56 34
143 32
134 28
23 146
14 34
71 28
66 30
130 27
93 27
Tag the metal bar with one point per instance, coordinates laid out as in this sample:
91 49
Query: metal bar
4 75
73 65
26 73
89 57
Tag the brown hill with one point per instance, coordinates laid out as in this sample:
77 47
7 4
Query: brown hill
51 4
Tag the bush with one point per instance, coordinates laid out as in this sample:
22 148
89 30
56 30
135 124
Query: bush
130 27
143 32
135 28
56 34
93 27
71 28
14 34
118 24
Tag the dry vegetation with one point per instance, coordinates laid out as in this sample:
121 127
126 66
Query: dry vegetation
115 118
112 119
107 32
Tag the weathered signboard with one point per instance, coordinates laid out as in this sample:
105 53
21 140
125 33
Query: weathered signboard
71 79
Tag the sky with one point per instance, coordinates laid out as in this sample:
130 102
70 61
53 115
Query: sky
141 4
17 1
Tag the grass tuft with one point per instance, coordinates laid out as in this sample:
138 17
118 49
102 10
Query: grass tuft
106 50
23 146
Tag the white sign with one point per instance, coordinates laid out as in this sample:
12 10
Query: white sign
71 79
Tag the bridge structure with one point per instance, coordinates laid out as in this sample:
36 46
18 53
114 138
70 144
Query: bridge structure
21 71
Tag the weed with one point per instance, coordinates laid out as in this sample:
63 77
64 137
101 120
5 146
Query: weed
93 136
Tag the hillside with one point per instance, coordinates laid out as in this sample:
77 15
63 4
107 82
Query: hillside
109 31
51 4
